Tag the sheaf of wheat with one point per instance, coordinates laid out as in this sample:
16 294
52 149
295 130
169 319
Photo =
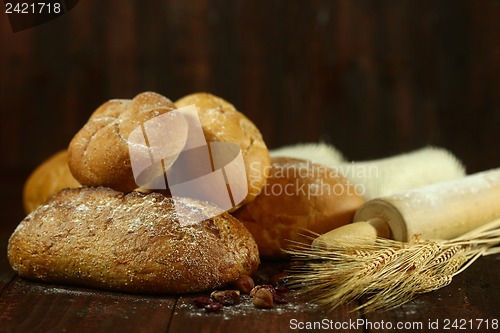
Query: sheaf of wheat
387 273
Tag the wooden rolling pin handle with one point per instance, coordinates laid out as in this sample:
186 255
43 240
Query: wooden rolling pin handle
353 234
382 228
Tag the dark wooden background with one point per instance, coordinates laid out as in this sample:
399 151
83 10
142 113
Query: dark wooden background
373 78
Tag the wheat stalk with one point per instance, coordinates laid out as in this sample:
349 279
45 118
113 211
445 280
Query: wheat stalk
388 273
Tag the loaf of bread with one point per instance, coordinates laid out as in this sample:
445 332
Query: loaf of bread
299 196
221 122
102 238
48 178
99 155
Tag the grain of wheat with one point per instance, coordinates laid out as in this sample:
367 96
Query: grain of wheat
445 255
421 254
451 266
377 260
434 282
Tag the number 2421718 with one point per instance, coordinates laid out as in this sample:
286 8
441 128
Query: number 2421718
33 8
463 324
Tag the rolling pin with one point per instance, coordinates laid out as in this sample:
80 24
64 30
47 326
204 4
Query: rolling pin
443 210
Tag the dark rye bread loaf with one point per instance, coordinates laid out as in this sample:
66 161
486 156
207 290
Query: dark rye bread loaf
102 238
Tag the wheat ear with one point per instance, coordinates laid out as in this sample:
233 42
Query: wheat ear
387 273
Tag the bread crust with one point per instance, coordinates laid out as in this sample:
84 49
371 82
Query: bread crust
98 155
221 122
48 178
299 195
99 237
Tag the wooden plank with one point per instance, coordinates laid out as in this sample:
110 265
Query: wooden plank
373 79
296 314
282 318
12 214
480 287
6 273
471 298
28 306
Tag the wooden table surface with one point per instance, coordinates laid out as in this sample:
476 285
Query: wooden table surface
372 78
472 299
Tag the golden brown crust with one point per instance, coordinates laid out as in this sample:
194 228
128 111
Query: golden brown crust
298 195
221 122
102 238
98 155
48 178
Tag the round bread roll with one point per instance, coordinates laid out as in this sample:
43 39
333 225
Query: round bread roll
221 122
102 238
99 155
298 195
48 178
